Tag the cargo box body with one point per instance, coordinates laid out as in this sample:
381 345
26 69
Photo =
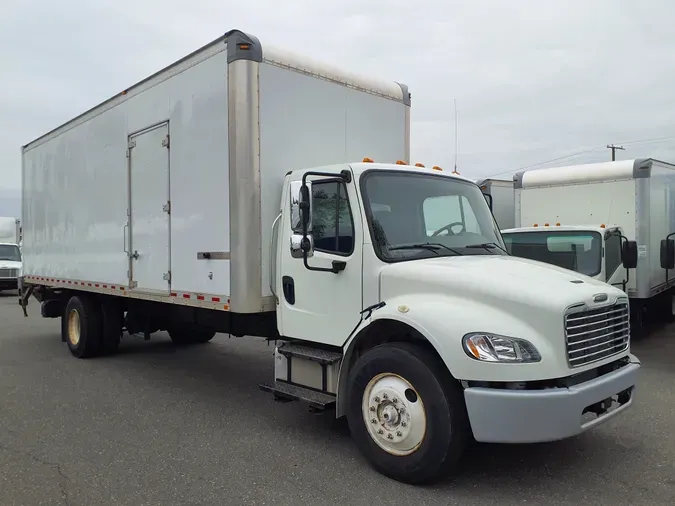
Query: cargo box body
503 200
168 191
636 195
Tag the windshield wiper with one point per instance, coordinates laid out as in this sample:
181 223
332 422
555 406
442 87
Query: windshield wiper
487 246
431 246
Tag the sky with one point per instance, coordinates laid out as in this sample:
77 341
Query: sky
534 80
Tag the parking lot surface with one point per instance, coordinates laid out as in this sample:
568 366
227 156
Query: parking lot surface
159 425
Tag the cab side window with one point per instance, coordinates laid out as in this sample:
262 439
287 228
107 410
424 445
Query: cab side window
612 255
332 223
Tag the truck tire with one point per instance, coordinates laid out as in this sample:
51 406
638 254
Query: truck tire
81 326
190 335
406 413
111 326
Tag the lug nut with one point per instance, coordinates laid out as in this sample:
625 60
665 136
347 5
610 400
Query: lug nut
394 400
380 431
389 436
399 433
385 396
404 424
372 408
376 399
373 420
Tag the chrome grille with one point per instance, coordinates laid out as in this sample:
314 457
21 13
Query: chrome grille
594 334
9 273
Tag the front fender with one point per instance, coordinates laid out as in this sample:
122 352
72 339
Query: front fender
444 319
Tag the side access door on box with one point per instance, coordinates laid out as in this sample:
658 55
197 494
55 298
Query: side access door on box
149 211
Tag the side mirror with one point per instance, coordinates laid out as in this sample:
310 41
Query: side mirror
629 254
301 206
301 215
488 199
667 254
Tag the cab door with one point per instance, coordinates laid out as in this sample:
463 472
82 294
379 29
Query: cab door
315 303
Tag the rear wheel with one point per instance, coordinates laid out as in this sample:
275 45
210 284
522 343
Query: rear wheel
406 414
81 326
111 326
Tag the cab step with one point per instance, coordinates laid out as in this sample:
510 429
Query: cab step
325 357
289 392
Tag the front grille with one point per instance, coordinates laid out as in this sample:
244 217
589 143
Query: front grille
9 273
594 334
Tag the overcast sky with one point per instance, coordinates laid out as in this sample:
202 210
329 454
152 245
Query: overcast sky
534 79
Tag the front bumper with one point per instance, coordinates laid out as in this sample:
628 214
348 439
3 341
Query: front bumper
9 283
533 416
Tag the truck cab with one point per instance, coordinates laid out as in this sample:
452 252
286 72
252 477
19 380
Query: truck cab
600 252
396 283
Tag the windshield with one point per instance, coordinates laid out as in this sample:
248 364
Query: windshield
578 251
10 252
413 215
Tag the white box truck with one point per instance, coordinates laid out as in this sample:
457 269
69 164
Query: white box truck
10 253
613 221
217 196
501 197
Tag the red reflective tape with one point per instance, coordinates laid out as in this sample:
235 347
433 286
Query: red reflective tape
96 285
200 297
173 294
215 299
186 295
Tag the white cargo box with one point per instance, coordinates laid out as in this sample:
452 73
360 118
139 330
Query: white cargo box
168 190
503 200
636 195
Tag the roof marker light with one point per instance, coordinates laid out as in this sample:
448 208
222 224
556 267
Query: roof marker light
557 224
367 160
535 225
602 226
401 162
546 224
436 167
418 164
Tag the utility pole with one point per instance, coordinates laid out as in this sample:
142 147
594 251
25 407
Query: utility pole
614 148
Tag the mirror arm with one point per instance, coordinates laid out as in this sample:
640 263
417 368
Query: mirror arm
344 176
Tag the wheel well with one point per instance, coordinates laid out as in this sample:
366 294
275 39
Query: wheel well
379 332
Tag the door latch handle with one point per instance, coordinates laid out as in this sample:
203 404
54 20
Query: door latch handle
135 255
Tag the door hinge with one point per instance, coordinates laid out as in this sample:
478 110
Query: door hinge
167 207
133 284
167 276
166 141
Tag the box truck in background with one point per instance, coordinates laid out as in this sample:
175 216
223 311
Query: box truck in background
222 195
10 252
614 221
501 198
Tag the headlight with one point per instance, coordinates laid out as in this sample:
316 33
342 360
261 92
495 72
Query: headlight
495 348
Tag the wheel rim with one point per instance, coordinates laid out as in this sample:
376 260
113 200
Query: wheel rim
394 414
74 327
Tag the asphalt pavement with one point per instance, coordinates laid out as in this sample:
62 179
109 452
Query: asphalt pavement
156 425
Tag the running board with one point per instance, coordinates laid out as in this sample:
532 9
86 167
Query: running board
288 392
324 357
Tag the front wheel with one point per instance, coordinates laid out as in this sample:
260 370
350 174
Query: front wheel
406 414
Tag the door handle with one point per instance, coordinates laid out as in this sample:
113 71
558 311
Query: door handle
126 228
135 255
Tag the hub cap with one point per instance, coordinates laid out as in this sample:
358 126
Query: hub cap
394 414
74 327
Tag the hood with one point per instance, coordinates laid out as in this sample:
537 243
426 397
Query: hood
8 264
495 280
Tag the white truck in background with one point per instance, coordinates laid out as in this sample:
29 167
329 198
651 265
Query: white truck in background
221 195
613 221
10 252
501 197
